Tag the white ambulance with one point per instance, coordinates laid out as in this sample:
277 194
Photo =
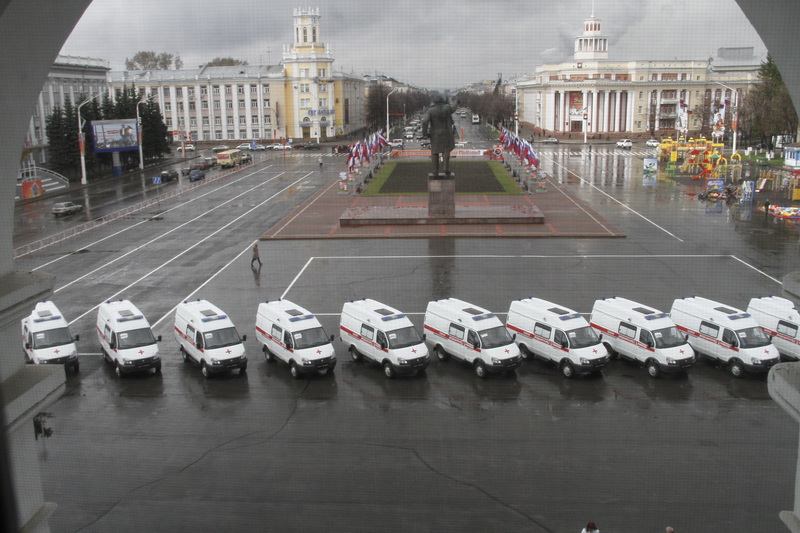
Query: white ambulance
207 337
46 339
642 334
556 334
471 334
725 334
779 318
126 340
384 335
294 336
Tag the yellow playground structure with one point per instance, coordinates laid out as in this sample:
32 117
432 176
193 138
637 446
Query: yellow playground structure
700 157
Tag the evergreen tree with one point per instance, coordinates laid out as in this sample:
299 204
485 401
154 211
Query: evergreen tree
767 110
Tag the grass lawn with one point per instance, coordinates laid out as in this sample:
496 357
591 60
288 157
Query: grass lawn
472 177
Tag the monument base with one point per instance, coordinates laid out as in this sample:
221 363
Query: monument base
441 195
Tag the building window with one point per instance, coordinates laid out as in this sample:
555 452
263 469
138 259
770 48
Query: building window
241 104
205 121
217 104
178 91
203 91
242 121
640 95
192 122
305 35
265 90
230 121
204 104
266 102
253 104
215 89
303 72
253 89
167 107
192 106
190 91
217 121
653 77
254 119
168 122
305 102
218 135
323 102
323 88
304 88
228 89
267 119
320 72
240 89
228 105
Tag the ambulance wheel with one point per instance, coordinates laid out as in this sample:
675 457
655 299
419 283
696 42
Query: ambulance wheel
652 368
118 370
294 371
525 352
268 355
204 369
441 355
567 370
736 368
388 371
28 359
354 354
185 355
76 368
157 369
611 353
480 369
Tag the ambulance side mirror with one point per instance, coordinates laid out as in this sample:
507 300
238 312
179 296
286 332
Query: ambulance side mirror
475 345
564 344
27 346
383 345
514 337
158 339
77 338
600 337
331 338
244 338
423 336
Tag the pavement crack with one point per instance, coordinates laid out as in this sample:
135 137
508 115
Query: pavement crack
473 486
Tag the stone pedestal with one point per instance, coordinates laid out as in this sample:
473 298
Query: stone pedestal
441 195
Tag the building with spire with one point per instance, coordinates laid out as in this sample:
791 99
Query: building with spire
597 95
300 98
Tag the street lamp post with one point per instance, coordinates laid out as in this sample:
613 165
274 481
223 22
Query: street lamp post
387 111
82 139
139 134
735 118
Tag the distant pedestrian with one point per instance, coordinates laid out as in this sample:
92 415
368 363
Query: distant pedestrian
320 163
590 528
256 256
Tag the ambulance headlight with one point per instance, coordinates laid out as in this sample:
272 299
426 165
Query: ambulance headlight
496 361
585 361
127 362
671 361
73 355
401 361
755 361
306 361
156 357
215 361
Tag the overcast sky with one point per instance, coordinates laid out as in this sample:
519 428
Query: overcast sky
430 44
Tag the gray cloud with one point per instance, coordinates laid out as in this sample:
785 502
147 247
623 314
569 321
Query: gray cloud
430 44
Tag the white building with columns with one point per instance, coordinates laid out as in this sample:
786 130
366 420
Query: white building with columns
599 96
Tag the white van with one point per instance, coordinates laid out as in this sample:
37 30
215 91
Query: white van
46 339
643 335
725 334
126 339
207 337
294 335
556 334
779 318
384 335
471 334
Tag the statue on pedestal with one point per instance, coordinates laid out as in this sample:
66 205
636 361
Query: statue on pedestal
438 126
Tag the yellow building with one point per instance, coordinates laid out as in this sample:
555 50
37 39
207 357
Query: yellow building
301 98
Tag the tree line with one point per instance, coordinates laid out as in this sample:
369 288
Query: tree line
62 132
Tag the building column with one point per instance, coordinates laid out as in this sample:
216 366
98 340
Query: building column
606 100
617 110
629 96
595 114
564 111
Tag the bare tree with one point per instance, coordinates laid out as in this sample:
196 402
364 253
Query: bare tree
149 60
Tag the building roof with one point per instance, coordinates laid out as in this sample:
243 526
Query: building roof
201 73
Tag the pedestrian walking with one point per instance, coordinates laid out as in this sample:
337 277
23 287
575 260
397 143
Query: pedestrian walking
590 528
320 163
256 256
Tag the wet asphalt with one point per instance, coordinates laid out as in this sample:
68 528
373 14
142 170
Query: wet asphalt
445 451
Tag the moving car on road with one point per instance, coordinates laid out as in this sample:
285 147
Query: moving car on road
652 143
169 175
220 148
625 143
196 175
46 338
550 140
66 208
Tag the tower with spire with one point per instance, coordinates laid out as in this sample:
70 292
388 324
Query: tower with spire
592 44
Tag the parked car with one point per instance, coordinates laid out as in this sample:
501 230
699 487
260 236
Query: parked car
244 146
282 147
185 171
66 208
551 140
210 162
247 158
653 143
297 146
396 143
425 143
169 175
220 148
312 146
188 147
196 175
624 143
260 147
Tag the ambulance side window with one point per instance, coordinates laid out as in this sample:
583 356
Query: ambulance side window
473 339
561 339
646 338
380 338
627 330
787 328
276 332
367 332
729 337
287 340
199 339
706 328
107 332
189 332
540 330
112 341
456 331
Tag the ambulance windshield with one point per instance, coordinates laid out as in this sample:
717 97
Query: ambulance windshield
51 337
135 338
752 337
309 338
670 337
582 337
403 337
221 337
495 337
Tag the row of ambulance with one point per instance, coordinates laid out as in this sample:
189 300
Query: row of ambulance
743 341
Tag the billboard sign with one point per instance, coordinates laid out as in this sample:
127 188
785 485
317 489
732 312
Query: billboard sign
115 135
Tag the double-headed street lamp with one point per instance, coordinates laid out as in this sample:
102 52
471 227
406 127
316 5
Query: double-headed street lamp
387 110
139 133
82 137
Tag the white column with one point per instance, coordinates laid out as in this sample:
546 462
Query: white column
235 113
629 96
564 112
594 116
549 119
585 100
617 114
606 101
